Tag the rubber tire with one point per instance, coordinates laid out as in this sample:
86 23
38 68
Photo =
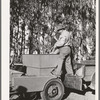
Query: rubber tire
44 93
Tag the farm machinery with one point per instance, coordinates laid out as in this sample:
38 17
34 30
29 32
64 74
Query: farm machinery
37 78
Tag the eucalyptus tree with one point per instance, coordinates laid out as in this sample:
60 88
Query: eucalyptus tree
42 16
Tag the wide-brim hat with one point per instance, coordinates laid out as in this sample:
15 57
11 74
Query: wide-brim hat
59 27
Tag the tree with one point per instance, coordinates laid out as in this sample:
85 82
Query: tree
42 16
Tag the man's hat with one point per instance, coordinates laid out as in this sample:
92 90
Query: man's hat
59 27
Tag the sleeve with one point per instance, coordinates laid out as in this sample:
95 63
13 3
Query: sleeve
64 37
60 42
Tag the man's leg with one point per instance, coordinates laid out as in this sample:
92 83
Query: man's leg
68 65
64 51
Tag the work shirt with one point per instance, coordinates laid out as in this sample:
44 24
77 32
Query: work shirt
64 39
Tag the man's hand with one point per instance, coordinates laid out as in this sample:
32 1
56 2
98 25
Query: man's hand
55 51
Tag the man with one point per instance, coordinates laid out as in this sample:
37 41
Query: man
63 48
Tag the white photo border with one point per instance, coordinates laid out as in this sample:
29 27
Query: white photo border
5 36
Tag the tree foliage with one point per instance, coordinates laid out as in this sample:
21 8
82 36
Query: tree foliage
32 23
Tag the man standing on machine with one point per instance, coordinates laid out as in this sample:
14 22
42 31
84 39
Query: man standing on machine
63 48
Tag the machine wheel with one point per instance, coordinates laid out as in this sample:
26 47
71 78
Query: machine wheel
53 90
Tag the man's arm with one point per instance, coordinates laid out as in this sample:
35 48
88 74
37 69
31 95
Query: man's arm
60 42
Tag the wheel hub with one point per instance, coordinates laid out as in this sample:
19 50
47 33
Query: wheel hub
53 92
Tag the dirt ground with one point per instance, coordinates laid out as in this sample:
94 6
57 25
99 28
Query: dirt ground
78 96
75 96
72 96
